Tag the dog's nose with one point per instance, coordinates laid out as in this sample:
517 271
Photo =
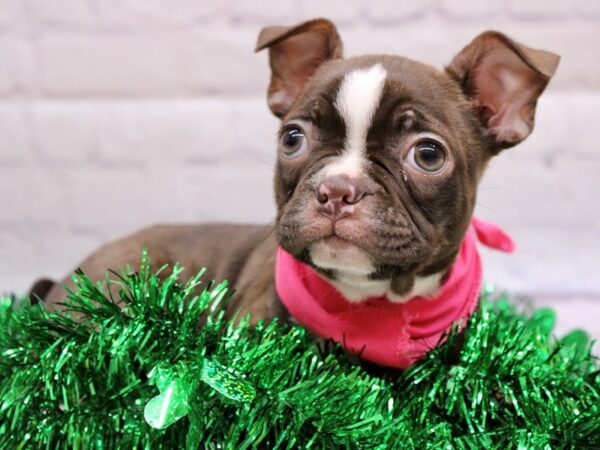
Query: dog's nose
337 196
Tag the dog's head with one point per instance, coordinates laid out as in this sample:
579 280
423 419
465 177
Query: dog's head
379 156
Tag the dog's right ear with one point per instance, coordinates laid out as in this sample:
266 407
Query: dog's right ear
503 80
295 53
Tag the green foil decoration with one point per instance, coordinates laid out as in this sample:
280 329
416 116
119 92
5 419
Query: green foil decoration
169 371
172 404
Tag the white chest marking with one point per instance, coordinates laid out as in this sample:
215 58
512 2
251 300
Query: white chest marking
424 287
357 100
357 288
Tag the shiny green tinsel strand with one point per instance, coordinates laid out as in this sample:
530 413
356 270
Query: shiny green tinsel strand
161 368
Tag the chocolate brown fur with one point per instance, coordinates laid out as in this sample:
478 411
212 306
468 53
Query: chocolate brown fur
409 223
241 254
429 217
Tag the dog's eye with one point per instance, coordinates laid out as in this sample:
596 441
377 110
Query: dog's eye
428 156
293 142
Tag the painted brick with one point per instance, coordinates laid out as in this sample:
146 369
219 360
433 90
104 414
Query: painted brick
153 14
103 65
31 195
404 39
131 65
124 200
534 194
212 59
16 275
106 198
63 12
230 193
539 9
338 11
255 131
200 132
579 44
9 10
174 199
46 251
471 9
14 144
548 260
587 8
390 11
220 192
64 131
17 66
583 113
264 13
61 250
221 60
144 133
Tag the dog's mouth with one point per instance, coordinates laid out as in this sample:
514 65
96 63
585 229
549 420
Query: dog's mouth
334 252
338 242
373 240
335 241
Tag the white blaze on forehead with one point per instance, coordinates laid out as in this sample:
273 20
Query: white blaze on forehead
357 101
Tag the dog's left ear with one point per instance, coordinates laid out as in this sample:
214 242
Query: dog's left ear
503 80
295 53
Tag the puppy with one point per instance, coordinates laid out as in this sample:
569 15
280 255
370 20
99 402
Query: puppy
378 162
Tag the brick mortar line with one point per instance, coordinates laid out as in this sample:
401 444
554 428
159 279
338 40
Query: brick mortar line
362 18
245 95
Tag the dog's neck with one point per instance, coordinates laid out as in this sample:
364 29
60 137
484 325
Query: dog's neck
358 287
389 334
352 273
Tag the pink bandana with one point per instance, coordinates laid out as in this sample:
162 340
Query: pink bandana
389 334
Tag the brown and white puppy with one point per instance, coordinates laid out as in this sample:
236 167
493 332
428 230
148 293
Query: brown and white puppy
378 164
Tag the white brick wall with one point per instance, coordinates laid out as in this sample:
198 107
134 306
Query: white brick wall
115 114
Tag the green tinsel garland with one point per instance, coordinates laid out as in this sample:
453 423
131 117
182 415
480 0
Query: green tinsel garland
168 371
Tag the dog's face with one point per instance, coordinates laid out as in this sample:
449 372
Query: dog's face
379 156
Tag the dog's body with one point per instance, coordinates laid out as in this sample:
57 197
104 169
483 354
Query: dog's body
242 254
378 165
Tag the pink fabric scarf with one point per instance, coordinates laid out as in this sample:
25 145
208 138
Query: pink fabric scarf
389 334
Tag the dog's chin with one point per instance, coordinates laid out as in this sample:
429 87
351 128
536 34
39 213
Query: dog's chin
335 253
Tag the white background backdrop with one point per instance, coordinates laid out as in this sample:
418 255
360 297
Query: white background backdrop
116 114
